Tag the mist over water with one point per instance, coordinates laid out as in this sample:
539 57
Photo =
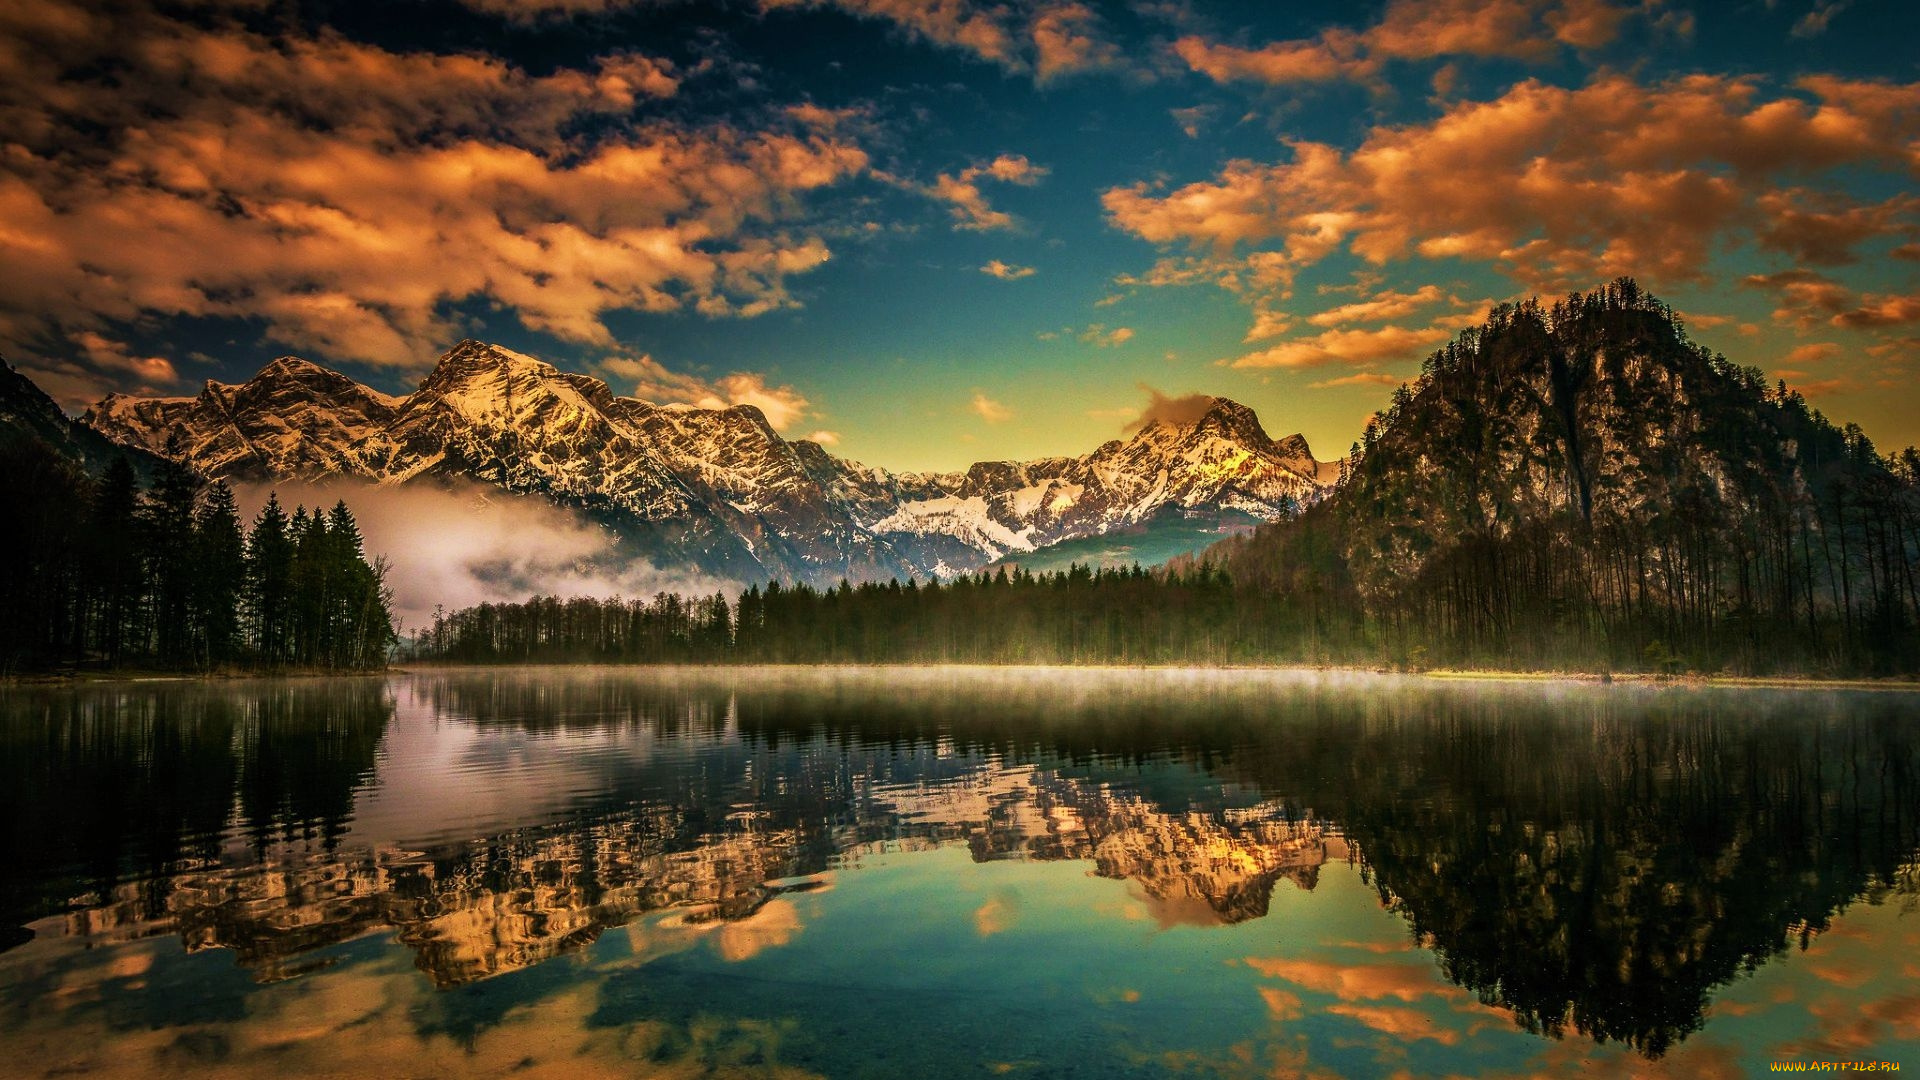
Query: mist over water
794 871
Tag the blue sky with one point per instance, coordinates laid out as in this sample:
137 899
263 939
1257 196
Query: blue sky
935 232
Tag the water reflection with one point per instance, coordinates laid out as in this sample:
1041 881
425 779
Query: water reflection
1588 861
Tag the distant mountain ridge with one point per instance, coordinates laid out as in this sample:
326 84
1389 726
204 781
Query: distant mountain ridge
713 490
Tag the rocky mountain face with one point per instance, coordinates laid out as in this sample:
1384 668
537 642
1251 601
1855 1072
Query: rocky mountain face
716 490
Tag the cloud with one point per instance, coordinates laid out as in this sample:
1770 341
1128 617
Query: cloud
345 195
1827 234
1896 349
1876 311
1809 298
1098 335
1806 297
1364 378
1557 187
1007 271
1182 411
529 11
1068 39
953 24
989 410
1384 305
652 381
824 437
1193 120
1813 353
968 205
101 365
465 545
1346 347
1048 40
783 406
1415 30
1267 323
1815 388
1815 22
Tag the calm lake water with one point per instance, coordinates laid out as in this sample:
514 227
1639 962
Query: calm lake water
924 873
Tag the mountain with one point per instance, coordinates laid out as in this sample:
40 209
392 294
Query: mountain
27 413
1581 482
714 490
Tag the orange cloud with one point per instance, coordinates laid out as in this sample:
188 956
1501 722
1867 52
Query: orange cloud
1532 30
1006 271
1554 186
1877 311
1345 347
1385 305
1365 378
1812 353
344 194
1827 234
102 366
1049 40
1068 38
1098 335
989 410
783 406
1808 298
969 205
955 24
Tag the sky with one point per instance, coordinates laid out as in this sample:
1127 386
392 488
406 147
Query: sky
928 233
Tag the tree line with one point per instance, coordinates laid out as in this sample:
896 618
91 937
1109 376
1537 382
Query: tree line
1077 616
102 572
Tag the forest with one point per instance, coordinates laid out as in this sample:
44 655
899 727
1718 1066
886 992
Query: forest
1574 486
100 573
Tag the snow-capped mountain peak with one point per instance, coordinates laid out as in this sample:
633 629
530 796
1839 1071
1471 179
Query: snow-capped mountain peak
715 490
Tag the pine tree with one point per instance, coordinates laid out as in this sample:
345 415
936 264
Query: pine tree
166 534
269 588
219 576
112 560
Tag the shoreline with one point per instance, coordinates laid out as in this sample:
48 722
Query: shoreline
1898 683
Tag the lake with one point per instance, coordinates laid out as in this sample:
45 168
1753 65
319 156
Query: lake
954 872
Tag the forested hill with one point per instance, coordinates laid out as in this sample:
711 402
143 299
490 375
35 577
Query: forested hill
1581 484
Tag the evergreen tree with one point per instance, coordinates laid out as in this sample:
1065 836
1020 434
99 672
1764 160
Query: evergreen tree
269 586
219 576
166 536
112 560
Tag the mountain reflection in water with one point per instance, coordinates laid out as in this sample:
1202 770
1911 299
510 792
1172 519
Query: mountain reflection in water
1590 862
